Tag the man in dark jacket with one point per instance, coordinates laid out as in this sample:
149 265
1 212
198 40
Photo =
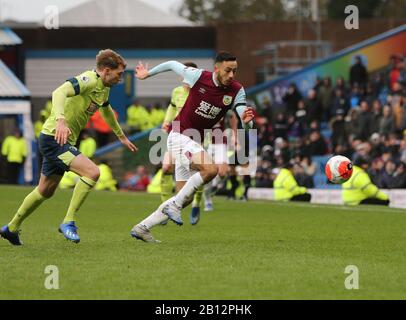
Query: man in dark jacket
358 73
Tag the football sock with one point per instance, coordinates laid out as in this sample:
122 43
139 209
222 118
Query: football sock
234 186
80 193
31 202
247 185
166 186
157 217
188 189
207 191
198 197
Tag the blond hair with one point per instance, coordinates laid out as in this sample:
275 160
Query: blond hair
108 58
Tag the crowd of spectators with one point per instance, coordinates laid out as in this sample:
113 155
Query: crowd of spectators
362 118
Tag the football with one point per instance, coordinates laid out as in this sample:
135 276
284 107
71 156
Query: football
338 169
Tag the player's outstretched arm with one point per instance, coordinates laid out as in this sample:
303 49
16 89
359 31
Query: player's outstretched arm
59 96
189 75
110 118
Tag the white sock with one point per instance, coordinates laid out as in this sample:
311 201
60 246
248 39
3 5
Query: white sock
207 192
188 189
157 217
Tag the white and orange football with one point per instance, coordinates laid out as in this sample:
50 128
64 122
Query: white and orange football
338 169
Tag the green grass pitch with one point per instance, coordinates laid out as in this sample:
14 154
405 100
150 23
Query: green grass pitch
242 250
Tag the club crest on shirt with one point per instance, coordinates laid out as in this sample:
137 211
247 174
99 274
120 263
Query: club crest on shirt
227 100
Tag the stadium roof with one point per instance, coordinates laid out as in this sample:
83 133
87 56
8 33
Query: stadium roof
10 85
8 37
118 13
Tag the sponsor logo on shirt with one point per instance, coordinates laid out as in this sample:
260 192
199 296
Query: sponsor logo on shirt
206 110
92 108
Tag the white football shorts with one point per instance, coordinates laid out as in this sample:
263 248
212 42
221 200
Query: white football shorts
182 148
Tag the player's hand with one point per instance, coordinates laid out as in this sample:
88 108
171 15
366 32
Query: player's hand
141 71
130 146
165 126
62 132
248 115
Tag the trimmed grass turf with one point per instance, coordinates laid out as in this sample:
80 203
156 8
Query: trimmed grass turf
242 250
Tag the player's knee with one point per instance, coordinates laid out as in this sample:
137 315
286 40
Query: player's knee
209 172
94 173
46 191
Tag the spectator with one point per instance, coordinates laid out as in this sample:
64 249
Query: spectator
264 134
325 96
340 104
14 148
400 176
399 116
291 99
340 84
377 147
87 145
308 166
319 83
281 126
355 96
314 109
316 145
106 180
157 115
387 122
376 172
301 114
295 130
138 118
337 124
137 181
364 120
358 73
388 176
376 115
378 83
301 177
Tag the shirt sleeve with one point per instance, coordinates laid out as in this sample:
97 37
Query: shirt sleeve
190 75
239 105
108 115
59 96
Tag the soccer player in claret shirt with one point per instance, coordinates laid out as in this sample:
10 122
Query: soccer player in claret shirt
211 95
72 105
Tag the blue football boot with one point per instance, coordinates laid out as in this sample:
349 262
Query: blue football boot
69 231
12 237
195 215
